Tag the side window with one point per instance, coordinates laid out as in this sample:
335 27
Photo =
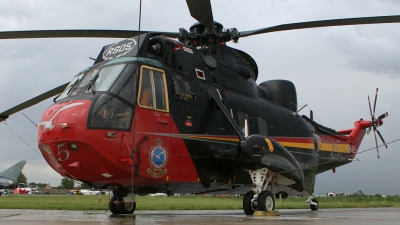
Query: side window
182 88
153 89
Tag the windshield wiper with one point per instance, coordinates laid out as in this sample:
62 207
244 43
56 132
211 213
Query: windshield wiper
72 86
92 84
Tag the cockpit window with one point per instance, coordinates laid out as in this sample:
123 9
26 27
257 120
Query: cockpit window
107 77
110 113
92 80
82 84
126 84
70 86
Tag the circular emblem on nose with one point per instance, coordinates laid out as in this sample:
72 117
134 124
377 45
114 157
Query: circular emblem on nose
158 159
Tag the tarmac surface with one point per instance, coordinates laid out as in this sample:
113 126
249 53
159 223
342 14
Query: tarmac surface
369 216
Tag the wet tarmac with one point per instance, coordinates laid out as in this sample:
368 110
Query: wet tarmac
381 216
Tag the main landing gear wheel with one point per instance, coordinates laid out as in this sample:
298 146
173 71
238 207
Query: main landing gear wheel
126 207
314 207
266 201
248 206
112 206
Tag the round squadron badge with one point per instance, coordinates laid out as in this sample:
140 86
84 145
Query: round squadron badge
158 159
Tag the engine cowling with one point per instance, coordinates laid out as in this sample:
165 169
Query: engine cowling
280 92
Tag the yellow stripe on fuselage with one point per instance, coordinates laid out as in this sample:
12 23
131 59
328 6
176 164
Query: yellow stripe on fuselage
228 139
329 147
297 145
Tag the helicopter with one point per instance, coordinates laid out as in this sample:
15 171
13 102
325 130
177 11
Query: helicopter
150 103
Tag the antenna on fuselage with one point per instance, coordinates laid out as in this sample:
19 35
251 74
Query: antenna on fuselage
295 113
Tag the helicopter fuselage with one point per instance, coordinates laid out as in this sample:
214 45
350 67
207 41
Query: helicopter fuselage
148 122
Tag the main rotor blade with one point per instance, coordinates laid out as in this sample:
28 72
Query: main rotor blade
324 23
79 34
201 10
4 115
383 141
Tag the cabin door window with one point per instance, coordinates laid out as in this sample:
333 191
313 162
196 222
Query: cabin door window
152 89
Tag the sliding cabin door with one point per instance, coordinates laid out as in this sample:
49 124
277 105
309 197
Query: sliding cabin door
152 124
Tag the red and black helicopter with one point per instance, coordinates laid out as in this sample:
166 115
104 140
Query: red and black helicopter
181 112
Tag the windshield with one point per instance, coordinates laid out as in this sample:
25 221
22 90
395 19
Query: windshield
92 80
70 86
107 77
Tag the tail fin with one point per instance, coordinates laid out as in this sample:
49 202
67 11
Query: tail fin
13 172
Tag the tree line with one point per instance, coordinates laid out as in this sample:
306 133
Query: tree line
66 183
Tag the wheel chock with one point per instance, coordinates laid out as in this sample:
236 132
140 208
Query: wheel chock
265 213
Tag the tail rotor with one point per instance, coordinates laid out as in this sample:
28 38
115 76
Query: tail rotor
376 122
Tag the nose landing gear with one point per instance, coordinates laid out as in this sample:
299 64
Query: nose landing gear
259 198
122 205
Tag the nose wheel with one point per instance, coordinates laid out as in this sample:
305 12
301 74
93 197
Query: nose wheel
119 206
249 206
126 207
112 206
266 201
259 198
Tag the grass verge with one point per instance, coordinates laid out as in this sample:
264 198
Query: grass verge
91 202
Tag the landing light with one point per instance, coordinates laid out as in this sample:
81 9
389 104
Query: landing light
73 146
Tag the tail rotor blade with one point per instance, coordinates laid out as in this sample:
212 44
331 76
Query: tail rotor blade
380 136
376 95
386 114
369 104
376 145
376 122
372 119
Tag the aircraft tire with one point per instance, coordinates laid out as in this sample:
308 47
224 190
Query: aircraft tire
112 206
126 207
314 207
248 207
266 201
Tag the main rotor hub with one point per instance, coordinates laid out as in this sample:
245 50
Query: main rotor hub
198 35
200 28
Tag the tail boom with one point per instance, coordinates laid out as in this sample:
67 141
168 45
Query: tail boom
355 135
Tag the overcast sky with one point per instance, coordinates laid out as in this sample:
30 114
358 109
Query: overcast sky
334 69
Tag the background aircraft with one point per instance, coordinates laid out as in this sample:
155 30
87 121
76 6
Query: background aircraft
9 177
